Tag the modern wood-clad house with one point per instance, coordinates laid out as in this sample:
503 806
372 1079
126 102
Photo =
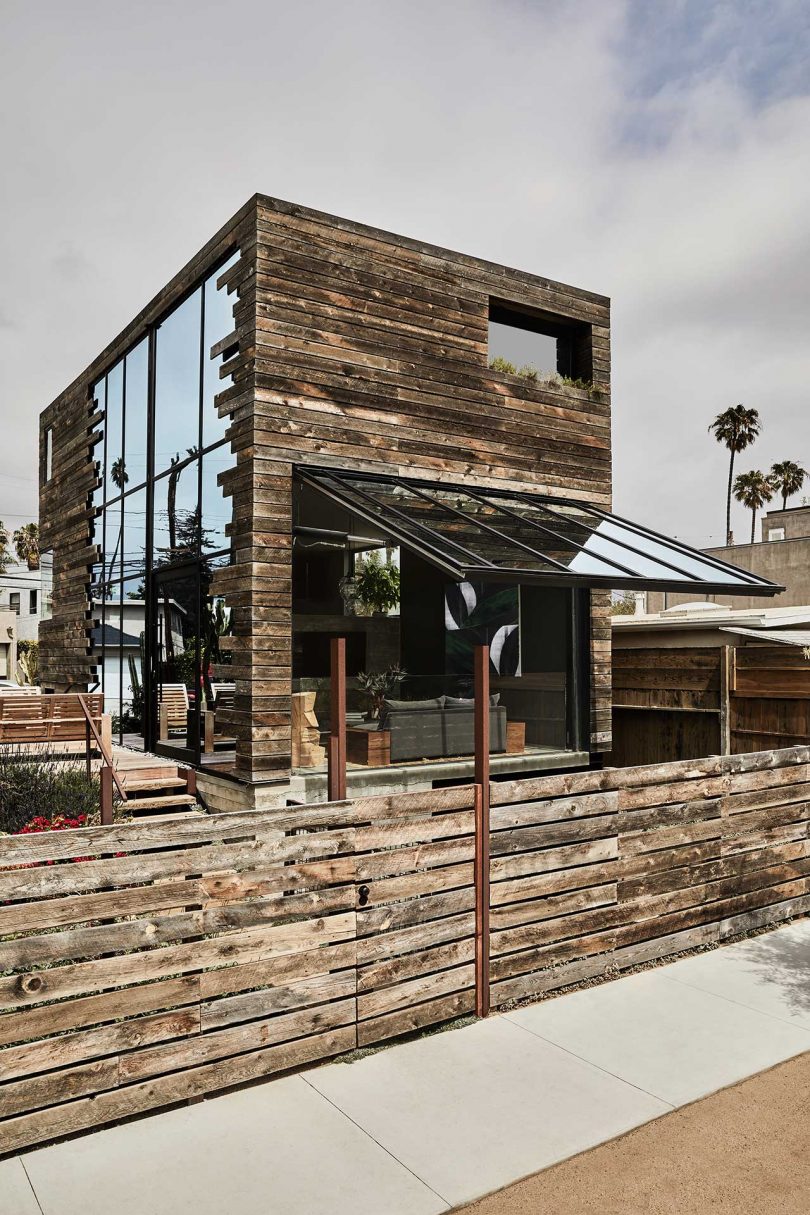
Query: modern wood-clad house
310 397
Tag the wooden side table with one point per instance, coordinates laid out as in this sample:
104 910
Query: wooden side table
370 747
515 737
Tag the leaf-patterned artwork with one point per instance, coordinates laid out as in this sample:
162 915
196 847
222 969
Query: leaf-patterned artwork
482 613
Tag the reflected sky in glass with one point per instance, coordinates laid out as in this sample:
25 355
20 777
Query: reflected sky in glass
134 560
115 429
177 383
216 509
175 528
135 414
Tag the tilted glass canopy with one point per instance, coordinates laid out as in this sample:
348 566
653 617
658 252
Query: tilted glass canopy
473 532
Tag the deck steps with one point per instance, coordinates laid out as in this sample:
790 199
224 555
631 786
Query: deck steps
153 787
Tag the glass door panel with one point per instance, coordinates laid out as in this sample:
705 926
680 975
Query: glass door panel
176 692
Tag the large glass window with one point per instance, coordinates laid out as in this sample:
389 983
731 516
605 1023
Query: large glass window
160 520
136 412
176 526
134 544
177 383
216 505
116 473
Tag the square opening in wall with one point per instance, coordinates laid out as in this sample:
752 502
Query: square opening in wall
531 341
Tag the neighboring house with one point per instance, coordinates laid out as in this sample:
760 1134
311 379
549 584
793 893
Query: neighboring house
783 556
27 593
117 639
8 645
712 624
305 391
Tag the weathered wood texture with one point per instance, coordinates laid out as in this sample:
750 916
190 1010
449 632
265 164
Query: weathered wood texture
678 703
146 963
355 348
596 872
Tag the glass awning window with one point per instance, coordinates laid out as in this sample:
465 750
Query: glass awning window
475 532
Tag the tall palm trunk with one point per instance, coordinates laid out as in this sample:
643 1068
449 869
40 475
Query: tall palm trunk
753 523
728 498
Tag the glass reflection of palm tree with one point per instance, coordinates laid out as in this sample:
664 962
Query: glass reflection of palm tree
119 477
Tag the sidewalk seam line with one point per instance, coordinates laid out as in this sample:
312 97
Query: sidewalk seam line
30 1182
604 1070
738 1004
382 1146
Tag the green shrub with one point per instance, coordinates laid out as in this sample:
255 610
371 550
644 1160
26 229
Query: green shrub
36 783
501 364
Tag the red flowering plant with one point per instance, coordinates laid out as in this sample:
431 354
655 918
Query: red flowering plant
59 822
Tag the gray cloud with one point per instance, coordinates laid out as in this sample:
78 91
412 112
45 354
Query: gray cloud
651 149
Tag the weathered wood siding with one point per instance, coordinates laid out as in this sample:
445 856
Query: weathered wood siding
599 871
351 347
371 352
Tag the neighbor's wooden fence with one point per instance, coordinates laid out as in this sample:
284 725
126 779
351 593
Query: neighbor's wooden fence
146 963
142 964
601 871
682 703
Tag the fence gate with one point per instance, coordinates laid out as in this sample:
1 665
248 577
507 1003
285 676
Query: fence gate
415 911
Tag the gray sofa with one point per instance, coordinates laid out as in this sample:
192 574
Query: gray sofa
436 729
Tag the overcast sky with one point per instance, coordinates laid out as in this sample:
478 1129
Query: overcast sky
654 150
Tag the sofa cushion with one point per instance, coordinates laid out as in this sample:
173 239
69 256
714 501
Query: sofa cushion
411 706
468 702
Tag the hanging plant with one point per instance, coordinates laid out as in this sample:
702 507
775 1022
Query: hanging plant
377 584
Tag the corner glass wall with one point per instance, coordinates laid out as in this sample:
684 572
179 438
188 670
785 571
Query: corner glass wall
162 524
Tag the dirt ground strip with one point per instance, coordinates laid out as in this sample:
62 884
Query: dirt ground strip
742 1151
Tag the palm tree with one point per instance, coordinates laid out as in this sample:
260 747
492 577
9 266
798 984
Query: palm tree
737 427
4 557
26 544
118 473
787 478
753 489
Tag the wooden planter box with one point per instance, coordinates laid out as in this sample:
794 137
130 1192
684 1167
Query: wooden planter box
371 748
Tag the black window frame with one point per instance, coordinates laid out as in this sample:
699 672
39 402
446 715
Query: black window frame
101 501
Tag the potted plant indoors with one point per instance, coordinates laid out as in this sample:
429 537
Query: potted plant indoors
376 585
378 685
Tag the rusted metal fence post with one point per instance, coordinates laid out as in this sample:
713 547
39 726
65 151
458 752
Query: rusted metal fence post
106 795
336 753
481 733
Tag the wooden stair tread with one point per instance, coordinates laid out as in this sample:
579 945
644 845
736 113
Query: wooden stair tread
171 782
156 803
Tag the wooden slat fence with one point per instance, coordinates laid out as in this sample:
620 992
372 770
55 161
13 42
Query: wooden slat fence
685 702
145 963
597 872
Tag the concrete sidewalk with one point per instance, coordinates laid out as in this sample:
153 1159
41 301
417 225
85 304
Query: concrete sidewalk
421 1127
